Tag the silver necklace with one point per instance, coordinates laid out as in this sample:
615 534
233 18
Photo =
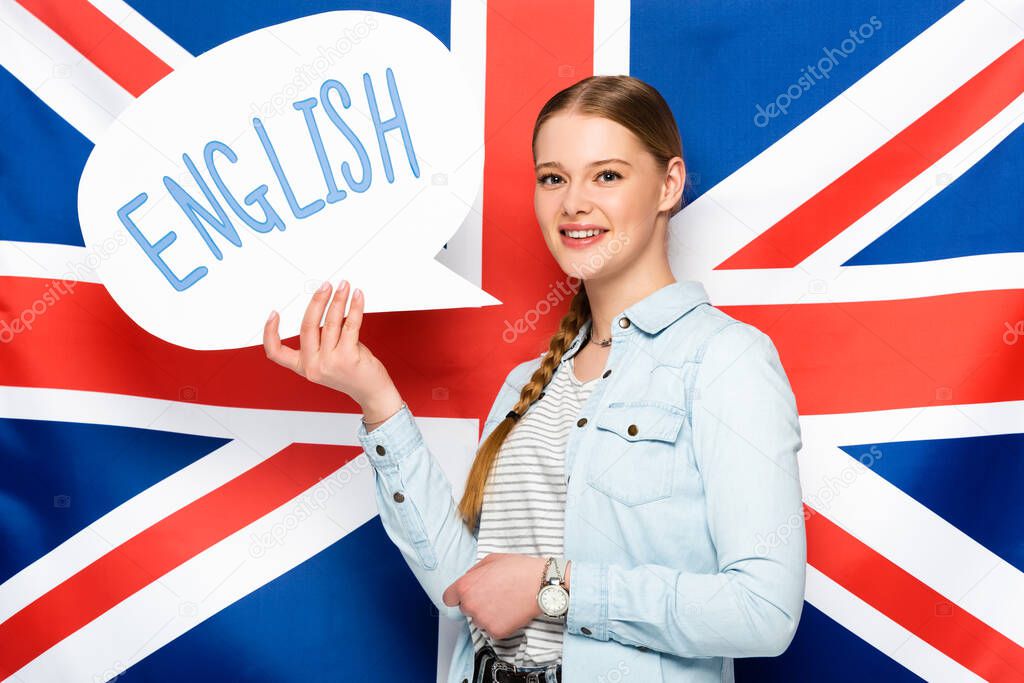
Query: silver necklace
599 342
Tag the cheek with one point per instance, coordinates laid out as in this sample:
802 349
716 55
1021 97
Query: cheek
631 215
624 208
542 205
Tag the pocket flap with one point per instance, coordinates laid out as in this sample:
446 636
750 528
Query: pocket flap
640 420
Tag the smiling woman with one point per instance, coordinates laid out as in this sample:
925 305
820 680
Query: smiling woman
614 517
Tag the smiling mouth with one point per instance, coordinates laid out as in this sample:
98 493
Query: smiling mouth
583 234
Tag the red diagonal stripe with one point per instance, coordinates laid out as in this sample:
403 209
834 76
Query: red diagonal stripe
929 615
887 169
177 538
112 49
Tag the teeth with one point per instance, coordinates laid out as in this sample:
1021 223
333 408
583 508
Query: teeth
578 234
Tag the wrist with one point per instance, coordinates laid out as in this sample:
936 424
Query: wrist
380 408
542 571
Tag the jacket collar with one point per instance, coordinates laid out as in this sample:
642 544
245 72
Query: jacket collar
653 313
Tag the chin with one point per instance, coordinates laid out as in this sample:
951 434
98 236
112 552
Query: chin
581 271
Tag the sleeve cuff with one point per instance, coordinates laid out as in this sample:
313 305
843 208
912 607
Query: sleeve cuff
588 600
394 439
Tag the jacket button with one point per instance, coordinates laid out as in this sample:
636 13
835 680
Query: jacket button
580 422
380 450
632 430
606 373
398 497
585 631
623 322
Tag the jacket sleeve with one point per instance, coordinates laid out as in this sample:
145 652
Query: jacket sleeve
746 435
415 502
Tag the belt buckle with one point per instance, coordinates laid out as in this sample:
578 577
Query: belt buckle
497 665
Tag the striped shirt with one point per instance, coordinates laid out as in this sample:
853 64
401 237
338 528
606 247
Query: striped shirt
523 508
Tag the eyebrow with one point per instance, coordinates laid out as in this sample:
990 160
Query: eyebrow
593 163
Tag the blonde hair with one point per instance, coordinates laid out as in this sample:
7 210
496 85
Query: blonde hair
639 107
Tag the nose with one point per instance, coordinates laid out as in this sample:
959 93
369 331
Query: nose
575 200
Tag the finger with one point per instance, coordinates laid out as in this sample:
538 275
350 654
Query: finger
276 351
335 315
309 331
353 321
450 596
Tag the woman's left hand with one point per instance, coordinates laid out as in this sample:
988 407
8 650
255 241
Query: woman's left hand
499 592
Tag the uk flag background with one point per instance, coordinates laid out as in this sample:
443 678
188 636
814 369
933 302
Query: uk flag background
855 191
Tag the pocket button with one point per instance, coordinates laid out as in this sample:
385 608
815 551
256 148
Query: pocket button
630 465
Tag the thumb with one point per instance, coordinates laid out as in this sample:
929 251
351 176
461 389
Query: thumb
451 596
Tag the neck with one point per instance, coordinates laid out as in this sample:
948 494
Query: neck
609 298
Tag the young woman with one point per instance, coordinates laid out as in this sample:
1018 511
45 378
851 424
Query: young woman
633 511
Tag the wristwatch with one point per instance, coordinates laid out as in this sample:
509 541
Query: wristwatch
553 597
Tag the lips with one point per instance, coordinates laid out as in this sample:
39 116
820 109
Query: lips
566 227
580 242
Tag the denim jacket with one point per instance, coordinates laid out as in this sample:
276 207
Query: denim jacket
684 521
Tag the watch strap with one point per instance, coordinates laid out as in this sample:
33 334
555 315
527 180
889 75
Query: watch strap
555 571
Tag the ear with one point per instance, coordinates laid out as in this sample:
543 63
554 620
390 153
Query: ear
675 182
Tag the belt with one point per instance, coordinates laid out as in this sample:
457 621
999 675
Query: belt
489 668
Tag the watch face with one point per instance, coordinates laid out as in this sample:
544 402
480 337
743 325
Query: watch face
554 601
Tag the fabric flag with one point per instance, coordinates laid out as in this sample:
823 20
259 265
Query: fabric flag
854 190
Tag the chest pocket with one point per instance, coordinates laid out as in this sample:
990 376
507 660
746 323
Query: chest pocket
635 454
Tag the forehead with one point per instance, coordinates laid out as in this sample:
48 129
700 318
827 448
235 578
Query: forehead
575 140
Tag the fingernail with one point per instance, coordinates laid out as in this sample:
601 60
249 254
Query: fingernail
342 284
325 286
358 293
271 316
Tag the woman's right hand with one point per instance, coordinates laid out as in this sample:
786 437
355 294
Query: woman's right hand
334 356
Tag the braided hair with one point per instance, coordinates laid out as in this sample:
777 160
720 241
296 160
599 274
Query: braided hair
487 454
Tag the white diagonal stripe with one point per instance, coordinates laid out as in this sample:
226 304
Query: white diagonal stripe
881 632
848 492
58 74
833 140
256 435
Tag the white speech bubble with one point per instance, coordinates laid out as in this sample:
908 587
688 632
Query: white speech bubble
338 145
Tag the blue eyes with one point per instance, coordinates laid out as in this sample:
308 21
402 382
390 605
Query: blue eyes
541 180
